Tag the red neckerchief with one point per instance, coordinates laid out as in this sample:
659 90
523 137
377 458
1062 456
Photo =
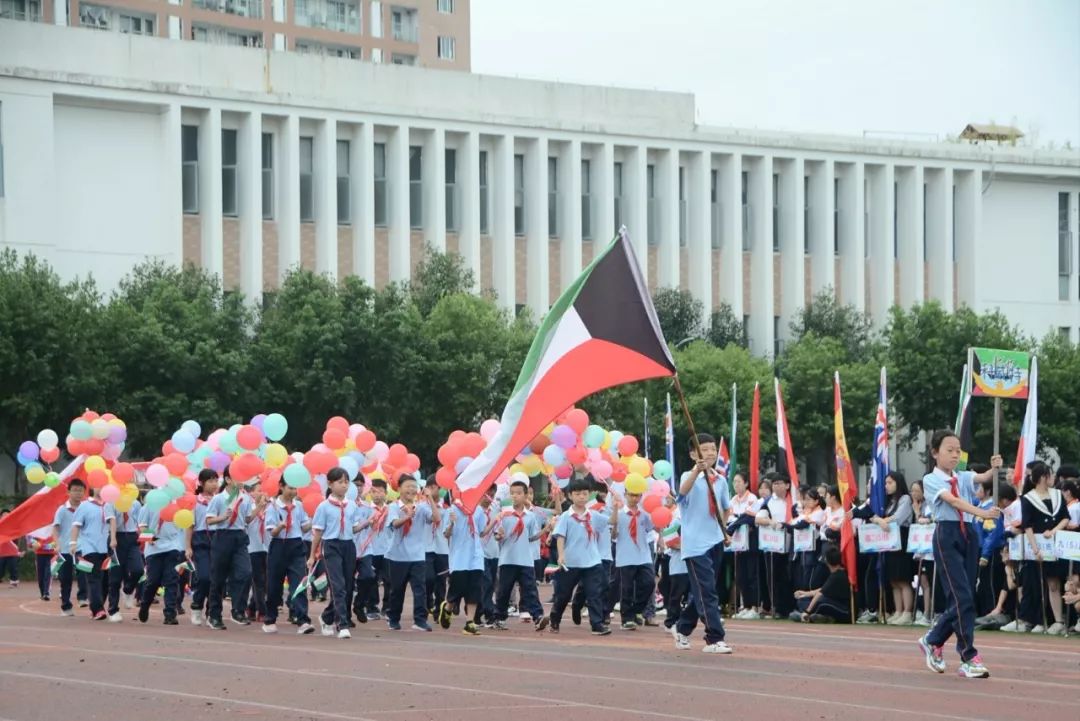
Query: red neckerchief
288 508
633 524
585 522
125 520
100 504
407 525
519 527
378 518
468 517
235 513
954 488
341 521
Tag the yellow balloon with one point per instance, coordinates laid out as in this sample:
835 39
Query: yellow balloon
635 483
607 441
640 465
124 503
391 494
276 455
532 464
517 468
548 429
350 444
183 519
94 463
378 474
130 490
35 474
118 423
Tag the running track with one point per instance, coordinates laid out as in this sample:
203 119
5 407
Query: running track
53 668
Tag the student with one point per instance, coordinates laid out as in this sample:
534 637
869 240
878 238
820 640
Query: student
199 537
125 573
897 564
824 521
9 557
258 545
703 503
1043 513
608 588
332 530
436 554
466 563
364 514
374 541
992 586
411 522
162 554
744 507
830 602
678 594
93 539
61 536
774 514
229 514
764 559
516 531
950 496
578 533
633 560
41 543
491 557
924 565
286 521
1071 492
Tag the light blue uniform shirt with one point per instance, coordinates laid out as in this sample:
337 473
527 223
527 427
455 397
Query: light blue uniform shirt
201 509
65 514
517 550
361 513
582 549
409 547
627 552
381 544
490 545
335 520
128 522
937 482
543 514
277 513
92 520
258 538
438 544
700 531
168 538
676 564
222 506
466 550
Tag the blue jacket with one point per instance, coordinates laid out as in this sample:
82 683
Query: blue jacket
990 541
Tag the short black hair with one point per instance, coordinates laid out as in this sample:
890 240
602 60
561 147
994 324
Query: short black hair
76 483
580 484
832 556
519 484
378 483
337 473
700 439
1068 472
1007 492
781 478
988 487
1072 487
1039 470
407 477
940 435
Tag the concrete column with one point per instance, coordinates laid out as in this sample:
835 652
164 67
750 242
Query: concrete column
637 194
910 230
761 256
60 12
823 220
604 188
289 197
699 230
939 212
853 236
968 228
792 242
434 189
729 194
172 186
667 188
397 170
536 226
570 214
325 190
502 240
362 201
468 180
213 244
882 238
249 152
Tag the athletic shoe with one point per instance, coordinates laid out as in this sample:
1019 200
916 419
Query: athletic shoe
393 626
1077 627
867 617
423 626
751 615
901 619
171 621
718 647
602 631
240 619
973 669
629 626
343 633
116 618
820 618
129 601
305 629
682 643
618 606
217 624
575 615
795 616
650 621
553 628
45 597
444 615
197 617
372 616
1056 629
325 628
144 613
541 623
935 661
740 614
511 610
470 629
501 626
14 583
923 621
84 604
67 612
100 616
524 616
269 628
1039 628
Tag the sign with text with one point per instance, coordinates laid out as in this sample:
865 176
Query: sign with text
920 540
1017 544
805 539
740 540
772 540
1067 545
875 539
1046 548
999 373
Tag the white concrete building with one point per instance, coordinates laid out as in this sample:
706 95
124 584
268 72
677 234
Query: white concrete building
248 162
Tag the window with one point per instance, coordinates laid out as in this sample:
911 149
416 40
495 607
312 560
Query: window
519 194
586 200
776 212
339 15
189 156
228 173
380 184
403 24
746 330
650 208
451 189
806 214
100 17
778 344
896 220
376 18
446 6
714 199
553 197
1 151
344 214
329 51
224 36
925 195
268 176
307 189
953 228
1065 332
446 47
20 10
241 8
836 216
866 218
416 188
1064 247
483 192
682 206
746 239
401 59
618 195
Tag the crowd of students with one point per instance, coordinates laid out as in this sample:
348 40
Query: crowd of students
598 550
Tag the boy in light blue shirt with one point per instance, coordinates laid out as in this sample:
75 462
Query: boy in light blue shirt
411 521
516 531
228 515
163 553
491 557
65 514
437 554
466 561
371 568
93 538
126 573
258 546
633 559
578 535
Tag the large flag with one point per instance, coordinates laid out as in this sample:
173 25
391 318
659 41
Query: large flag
733 461
755 441
785 461
845 481
962 427
880 467
601 332
1025 452
39 509
669 435
723 462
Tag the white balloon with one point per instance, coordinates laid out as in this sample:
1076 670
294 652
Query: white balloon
47 439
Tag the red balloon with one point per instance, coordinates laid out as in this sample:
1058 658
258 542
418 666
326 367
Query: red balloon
619 471
107 417
94 446
447 454
661 517
169 512
97 478
538 444
270 478
167 447
578 420
311 501
628 445
310 489
365 441
412 463
249 437
186 501
90 415
123 473
576 455
474 444
334 438
49 455
651 502
444 477
75 447
338 423
454 435
246 467
397 454
176 463
370 468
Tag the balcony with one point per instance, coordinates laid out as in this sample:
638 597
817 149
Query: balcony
404 24
339 15
240 8
20 10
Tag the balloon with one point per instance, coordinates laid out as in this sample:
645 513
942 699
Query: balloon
35 473
351 492
661 517
49 455
117 433
183 519
176 463
123 504
47 439
662 470
269 481
444 477
562 483
94 463
80 430
334 438
412 463
156 499
564 471
489 428
350 466
174 488
157 475
192 428
554 456
613 439
29 450
593 437
186 501
110 493
130 491
297 476
602 470
564 436
246 467
578 420
628 446
217 461
99 429
311 502
640 465
275 426
97 478
538 444
462 464
660 488
183 441
168 513
397 454
339 423
533 465
635 483
249 437
575 455
380 450
276 455
52 480
365 441
651 503
111 453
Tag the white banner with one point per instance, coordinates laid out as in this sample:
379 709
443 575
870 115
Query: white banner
874 539
772 540
805 539
1017 546
920 540
740 540
1067 545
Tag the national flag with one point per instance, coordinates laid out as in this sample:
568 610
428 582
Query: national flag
601 332
1025 452
669 436
84 566
785 461
185 567
723 458
733 462
551 569
39 509
672 535
54 567
963 420
755 441
106 564
845 481
320 583
880 467
304 584
146 536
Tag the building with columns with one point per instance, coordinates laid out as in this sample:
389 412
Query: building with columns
249 162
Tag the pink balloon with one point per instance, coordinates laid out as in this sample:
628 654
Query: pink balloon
109 494
593 454
321 448
503 478
381 451
354 429
660 488
157 475
214 438
602 470
111 453
489 428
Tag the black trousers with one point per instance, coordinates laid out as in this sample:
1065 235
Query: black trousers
529 596
827 607
637 585
95 581
487 590
366 586
230 564
339 564
1033 601
591 581
956 554
127 572
201 547
66 574
465 586
677 598
161 573
436 574
43 566
606 590
287 558
778 582
257 602
402 574
747 565
991 582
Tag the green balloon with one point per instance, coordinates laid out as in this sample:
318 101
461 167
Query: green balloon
296 475
52 480
175 488
157 499
275 426
593 437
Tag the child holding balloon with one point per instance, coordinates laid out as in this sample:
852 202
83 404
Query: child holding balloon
93 539
286 522
230 512
199 537
633 559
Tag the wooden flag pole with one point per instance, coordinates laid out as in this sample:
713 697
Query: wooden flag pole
697 451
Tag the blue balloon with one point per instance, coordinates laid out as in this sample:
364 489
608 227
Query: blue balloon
352 492
348 465
275 426
183 441
192 428
662 470
554 456
593 437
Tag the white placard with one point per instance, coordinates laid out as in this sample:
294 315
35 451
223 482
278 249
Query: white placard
1067 545
1046 546
1017 544
804 539
920 540
740 540
874 539
772 540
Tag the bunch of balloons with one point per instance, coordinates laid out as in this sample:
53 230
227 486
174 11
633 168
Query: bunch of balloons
99 437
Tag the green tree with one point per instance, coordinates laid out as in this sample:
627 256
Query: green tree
725 329
437 276
827 318
679 313
1058 388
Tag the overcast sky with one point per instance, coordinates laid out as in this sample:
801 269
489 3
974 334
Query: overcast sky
835 66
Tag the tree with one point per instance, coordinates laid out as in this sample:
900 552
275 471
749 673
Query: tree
439 275
827 318
725 329
1059 387
679 314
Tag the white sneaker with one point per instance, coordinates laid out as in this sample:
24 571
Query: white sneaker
196 617
751 615
269 628
1056 629
1016 626
674 632
305 629
921 620
326 628
1077 627
524 616
116 618
618 606
67 612
682 643
129 601
718 647
1038 629
344 633
900 619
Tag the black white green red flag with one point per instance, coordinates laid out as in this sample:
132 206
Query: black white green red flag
601 332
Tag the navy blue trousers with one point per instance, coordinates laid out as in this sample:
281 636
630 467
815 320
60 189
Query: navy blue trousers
704 604
956 554
287 558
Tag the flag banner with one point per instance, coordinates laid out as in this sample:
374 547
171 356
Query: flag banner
845 481
185 567
880 468
320 583
142 578
146 536
304 584
999 373
874 539
54 567
723 461
672 535
601 332
962 427
107 563
772 540
38 510
785 460
740 540
84 566
1025 452
669 437
920 540
551 569
755 441
645 428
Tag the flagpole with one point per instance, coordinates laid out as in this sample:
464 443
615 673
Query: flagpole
997 445
697 448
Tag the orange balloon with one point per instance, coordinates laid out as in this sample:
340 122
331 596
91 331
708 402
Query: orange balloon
49 455
334 438
249 437
651 503
123 473
176 463
169 512
365 441
186 501
312 501
97 478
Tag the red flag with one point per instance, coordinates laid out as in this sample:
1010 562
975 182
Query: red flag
845 481
1025 452
39 509
786 454
755 441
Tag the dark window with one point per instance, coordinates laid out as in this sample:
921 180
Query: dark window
519 194
344 194
268 176
228 173
416 188
381 209
307 189
189 156
484 192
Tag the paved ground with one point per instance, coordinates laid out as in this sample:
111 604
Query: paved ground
53 668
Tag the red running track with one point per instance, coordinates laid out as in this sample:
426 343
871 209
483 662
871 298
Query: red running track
54 668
